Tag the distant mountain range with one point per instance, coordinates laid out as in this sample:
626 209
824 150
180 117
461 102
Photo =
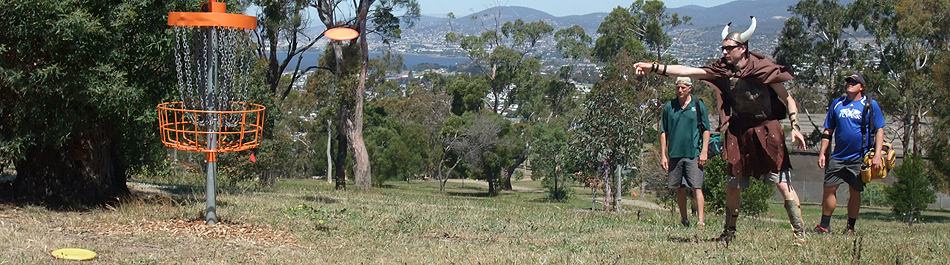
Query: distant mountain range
704 30
771 15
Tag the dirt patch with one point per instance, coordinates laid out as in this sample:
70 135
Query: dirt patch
255 234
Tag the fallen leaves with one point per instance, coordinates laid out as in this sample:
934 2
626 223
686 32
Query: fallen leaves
255 234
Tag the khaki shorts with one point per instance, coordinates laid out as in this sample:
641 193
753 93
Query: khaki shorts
771 178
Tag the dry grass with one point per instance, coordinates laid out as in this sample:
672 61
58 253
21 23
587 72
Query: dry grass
306 222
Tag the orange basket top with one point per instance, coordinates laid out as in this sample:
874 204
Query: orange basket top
213 15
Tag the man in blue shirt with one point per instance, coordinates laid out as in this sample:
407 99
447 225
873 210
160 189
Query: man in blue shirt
855 131
683 145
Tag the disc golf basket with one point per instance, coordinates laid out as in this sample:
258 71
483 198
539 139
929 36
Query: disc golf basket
212 58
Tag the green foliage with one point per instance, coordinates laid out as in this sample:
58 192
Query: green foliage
605 131
939 144
482 142
628 29
875 194
754 198
912 192
551 151
573 42
500 56
79 82
397 150
615 37
387 24
468 93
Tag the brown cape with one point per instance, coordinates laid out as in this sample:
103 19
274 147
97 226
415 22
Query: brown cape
753 147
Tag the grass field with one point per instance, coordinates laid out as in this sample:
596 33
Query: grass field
307 222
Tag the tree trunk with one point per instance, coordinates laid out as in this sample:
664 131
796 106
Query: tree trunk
510 170
354 133
329 155
491 187
87 170
354 123
340 161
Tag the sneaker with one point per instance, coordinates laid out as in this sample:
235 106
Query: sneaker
701 225
726 236
849 231
820 230
686 222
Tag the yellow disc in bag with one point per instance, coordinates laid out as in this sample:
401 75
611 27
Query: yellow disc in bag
73 254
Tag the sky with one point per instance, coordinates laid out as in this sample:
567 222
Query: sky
558 8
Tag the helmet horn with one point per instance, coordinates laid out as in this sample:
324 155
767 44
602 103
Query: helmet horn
725 30
744 37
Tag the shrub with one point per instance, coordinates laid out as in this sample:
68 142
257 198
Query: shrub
912 192
754 198
875 194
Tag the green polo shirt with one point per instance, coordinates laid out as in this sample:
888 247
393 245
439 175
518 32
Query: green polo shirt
683 134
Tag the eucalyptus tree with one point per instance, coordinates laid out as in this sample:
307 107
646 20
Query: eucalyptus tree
605 135
939 144
820 51
369 17
397 149
79 82
480 143
551 160
283 34
504 56
823 43
929 24
618 137
643 23
909 36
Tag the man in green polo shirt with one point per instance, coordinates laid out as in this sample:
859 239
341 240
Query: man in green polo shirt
683 144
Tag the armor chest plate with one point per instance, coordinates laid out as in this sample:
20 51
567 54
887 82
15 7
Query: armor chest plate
749 99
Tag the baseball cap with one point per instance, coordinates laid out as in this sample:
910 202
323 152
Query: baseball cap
684 80
855 77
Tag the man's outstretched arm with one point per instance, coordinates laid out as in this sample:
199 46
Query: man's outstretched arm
672 70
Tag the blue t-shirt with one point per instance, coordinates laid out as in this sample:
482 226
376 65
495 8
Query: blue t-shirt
844 117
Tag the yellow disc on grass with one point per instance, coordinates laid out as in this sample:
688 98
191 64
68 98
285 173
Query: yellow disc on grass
73 254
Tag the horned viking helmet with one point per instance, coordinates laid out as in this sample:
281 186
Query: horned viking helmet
741 38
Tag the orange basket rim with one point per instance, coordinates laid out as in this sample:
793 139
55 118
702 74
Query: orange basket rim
179 133
167 106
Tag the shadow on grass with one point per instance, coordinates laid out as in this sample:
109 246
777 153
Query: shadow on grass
479 194
385 186
681 239
320 199
890 217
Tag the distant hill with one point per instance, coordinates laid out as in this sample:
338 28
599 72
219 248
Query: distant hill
693 43
770 13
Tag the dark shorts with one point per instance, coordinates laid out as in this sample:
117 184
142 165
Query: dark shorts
685 173
842 171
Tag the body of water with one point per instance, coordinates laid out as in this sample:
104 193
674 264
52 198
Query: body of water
311 58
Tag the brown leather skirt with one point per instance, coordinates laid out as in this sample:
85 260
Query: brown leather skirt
755 150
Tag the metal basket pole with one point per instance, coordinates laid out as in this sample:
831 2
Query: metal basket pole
213 119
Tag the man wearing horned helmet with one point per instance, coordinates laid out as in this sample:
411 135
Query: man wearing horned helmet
752 100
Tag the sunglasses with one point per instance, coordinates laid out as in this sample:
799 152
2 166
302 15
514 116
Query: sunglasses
852 82
729 48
